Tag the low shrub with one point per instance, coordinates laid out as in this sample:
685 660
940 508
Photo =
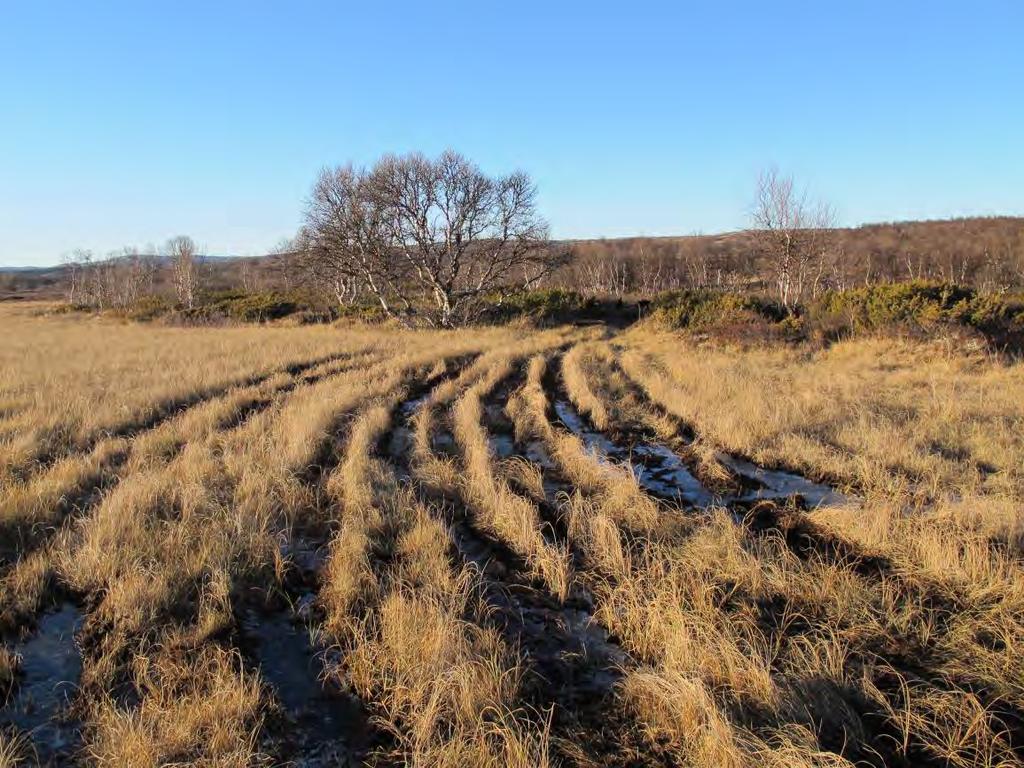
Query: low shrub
917 306
252 307
149 308
543 307
706 309
365 313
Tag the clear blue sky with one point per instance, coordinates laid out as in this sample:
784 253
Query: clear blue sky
126 123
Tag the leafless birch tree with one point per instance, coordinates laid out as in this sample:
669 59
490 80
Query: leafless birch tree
182 252
792 232
428 238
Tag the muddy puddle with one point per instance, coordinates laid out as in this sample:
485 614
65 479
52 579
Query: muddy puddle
777 484
661 471
51 665
321 726
502 446
563 642
657 468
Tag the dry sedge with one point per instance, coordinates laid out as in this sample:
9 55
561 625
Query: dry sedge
166 485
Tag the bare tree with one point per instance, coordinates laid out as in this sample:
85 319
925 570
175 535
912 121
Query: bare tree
76 267
247 275
131 277
182 252
792 233
428 238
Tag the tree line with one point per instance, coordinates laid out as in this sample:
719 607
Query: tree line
436 241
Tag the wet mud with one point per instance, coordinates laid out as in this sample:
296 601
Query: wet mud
50 668
315 724
664 474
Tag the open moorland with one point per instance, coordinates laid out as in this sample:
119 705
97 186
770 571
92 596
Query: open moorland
332 545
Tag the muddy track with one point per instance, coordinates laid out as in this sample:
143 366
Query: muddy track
314 729
775 482
51 664
665 473
311 719
166 411
573 664
17 541
279 635
777 507
501 437
771 501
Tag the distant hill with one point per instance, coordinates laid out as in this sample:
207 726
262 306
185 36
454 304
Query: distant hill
966 250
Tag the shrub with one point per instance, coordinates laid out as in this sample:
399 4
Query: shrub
245 307
366 313
917 303
921 307
545 306
149 308
260 307
706 309
882 305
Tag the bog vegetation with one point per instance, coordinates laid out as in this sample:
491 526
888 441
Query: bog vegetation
353 543
427 488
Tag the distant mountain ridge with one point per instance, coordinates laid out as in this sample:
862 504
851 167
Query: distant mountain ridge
936 225
890 250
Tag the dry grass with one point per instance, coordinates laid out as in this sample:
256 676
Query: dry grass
15 750
577 385
158 478
498 509
198 711
56 374
444 686
9 664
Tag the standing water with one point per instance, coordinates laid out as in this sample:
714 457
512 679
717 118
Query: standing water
50 668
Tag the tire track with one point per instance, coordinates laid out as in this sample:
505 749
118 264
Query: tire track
759 482
112 457
165 411
575 665
761 514
282 636
78 604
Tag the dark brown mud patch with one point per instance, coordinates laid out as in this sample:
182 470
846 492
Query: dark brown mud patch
50 668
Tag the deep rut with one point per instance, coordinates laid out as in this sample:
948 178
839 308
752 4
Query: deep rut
276 634
573 664
166 411
316 719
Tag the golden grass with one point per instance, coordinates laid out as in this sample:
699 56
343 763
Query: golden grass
898 418
196 710
444 686
70 380
157 475
577 385
15 750
9 664
682 710
498 509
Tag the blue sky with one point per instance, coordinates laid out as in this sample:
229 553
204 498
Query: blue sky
127 123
